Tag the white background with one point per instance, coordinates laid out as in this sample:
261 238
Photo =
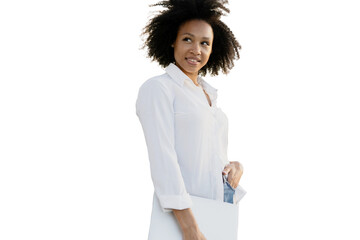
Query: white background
73 156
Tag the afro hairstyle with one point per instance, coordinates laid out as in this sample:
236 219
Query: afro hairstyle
161 32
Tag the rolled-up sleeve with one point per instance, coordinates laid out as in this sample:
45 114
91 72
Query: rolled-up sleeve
154 108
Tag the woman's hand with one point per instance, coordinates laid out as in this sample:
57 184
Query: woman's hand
234 170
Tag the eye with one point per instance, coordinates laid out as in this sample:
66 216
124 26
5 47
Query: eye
205 43
186 39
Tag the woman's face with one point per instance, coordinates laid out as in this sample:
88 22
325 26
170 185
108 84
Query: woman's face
192 47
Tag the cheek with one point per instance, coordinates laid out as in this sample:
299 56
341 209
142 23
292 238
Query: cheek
176 52
179 50
207 53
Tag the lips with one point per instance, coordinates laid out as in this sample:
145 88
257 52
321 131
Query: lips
193 61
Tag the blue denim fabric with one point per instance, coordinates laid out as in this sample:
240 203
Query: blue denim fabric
229 191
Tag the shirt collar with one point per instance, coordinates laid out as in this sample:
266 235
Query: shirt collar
180 77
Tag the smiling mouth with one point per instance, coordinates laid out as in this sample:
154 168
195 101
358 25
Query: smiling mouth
192 61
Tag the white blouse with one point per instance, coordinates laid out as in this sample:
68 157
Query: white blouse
186 138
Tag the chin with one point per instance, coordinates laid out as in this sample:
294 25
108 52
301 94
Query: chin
193 69
189 69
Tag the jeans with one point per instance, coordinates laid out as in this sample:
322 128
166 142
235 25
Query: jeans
229 191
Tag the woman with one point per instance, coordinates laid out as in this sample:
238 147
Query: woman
185 132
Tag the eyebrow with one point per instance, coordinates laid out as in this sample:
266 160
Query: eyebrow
206 38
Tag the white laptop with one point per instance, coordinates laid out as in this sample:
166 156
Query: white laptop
217 220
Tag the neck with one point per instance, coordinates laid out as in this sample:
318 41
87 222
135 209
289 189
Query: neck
192 76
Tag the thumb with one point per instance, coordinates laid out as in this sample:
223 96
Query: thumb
226 170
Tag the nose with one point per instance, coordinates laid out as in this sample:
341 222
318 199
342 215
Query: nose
196 50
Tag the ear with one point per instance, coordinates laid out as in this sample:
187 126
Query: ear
172 45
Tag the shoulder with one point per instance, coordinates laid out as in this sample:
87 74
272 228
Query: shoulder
156 81
157 84
154 93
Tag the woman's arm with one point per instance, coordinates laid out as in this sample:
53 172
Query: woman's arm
154 107
188 224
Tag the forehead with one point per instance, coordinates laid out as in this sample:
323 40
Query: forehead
198 28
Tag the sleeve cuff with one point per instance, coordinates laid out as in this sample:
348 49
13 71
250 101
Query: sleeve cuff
179 202
239 194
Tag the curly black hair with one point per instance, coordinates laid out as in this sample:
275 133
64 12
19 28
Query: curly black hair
161 32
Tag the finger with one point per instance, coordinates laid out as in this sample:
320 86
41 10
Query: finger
231 176
236 181
232 184
226 170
